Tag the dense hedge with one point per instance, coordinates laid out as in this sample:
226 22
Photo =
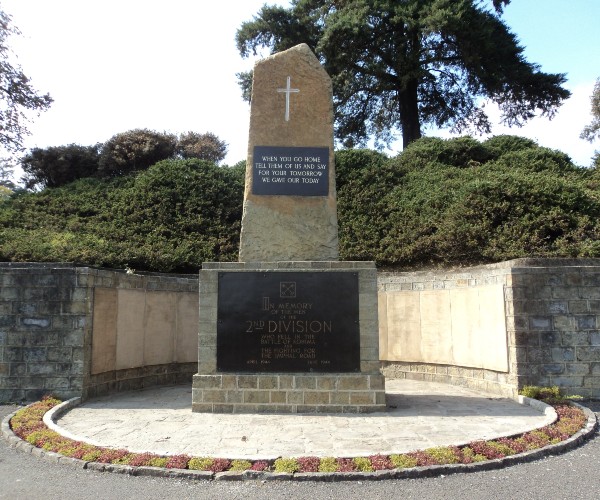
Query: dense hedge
440 202
459 202
168 218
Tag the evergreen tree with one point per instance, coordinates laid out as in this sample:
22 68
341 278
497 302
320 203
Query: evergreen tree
59 165
133 150
591 132
17 96
400 65
205 146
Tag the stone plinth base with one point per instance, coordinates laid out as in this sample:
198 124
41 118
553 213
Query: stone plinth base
289 393
247 391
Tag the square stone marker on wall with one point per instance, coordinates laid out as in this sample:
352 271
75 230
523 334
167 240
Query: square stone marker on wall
289 328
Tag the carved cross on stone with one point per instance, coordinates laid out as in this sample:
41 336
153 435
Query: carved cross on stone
288 90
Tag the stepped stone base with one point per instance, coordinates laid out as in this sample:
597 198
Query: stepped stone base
290 392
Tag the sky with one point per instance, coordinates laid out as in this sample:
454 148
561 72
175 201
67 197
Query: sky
116 65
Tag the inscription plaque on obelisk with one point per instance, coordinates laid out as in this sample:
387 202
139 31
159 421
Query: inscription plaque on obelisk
289 200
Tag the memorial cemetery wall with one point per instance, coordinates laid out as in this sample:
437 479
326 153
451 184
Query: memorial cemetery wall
78 331
551 325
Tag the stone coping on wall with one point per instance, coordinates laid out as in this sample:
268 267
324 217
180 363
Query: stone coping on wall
288 265
392 279
528 262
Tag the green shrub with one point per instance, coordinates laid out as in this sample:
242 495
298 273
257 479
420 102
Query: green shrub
201 463
41 437
537 159
240 465
351 163
328 464
471 456
159 462
537 392
169 218
457 152
92 455
528 203
403 461
502 448
439 203
289 465
501 144
443 455
363 464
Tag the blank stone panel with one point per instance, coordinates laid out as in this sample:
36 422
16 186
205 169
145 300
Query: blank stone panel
404 326
159 341
494 351
436 327
186 340
468 340
130 329
104 340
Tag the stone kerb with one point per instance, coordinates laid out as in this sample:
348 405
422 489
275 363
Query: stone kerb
352 392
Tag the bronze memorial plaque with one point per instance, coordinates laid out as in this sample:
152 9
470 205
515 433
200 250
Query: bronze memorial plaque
288 322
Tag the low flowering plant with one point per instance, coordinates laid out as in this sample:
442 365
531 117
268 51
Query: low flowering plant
28 425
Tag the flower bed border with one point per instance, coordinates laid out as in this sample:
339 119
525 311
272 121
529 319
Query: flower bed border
570 443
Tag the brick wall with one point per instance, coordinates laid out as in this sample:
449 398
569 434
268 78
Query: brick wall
46 331
552 322
556 310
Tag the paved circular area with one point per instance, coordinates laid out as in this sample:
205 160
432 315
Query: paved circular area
420 415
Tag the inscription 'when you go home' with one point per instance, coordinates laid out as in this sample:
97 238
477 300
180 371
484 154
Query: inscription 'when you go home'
290 171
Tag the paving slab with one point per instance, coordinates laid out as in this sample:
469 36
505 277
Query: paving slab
420 415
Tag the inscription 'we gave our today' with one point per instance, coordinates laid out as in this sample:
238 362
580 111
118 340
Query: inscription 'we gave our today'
293 171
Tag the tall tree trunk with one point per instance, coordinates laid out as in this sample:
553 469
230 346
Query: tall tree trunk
409 113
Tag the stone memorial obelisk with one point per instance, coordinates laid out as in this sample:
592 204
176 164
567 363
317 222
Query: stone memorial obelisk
290 208
289 328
